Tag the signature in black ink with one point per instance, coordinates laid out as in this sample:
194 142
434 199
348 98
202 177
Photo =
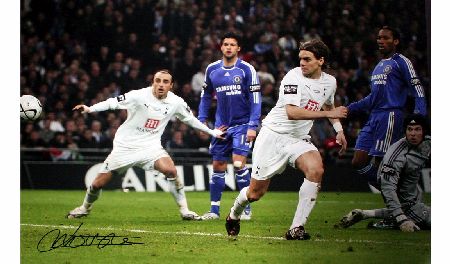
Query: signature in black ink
54 239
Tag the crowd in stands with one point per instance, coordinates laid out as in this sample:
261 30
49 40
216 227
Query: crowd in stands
85 51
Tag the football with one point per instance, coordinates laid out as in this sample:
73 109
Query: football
30 107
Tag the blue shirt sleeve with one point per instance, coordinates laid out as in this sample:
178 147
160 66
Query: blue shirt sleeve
205 98
414 86
362 105
254 98
420 106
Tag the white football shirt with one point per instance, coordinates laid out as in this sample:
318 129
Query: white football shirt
147 117
295 89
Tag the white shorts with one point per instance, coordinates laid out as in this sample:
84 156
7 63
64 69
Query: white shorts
273 151
121 159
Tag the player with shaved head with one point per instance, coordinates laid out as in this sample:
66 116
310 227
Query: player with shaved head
137 141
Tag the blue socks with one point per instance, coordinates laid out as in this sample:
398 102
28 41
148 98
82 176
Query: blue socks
242 178
216 186
242 181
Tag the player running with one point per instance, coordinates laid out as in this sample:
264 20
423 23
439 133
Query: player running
284 138
138 140
235 84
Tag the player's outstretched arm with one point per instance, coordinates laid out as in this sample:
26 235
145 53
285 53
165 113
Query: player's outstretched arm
84 108
296 113
186 116
195 123
109 104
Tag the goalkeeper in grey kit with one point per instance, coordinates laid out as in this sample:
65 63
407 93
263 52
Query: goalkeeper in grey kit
398 175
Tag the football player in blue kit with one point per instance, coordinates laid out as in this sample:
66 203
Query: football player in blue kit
392 80
235 85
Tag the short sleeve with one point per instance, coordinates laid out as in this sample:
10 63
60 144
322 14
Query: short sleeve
330 100
290 92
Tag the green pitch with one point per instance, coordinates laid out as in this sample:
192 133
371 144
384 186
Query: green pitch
153 220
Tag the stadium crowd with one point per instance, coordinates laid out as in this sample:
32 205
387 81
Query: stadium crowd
85 51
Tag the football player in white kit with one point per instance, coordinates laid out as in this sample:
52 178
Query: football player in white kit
138 140
284 138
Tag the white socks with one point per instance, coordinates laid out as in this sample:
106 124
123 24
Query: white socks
91 196
176 188
239 204
376 213
307 200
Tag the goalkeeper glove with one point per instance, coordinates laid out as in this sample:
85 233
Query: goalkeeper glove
405 224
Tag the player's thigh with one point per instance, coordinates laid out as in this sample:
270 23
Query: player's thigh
269 156
360 158
118 161
221 149
155 159
311 164
365 139
387 130
166 166
240 145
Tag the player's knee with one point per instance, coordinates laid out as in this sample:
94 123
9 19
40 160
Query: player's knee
360 160
253 196
219 165
96 186
357 163
101 180
314 173
170 173
317 170
238 164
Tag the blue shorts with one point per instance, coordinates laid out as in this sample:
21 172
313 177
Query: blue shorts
381 130
235 142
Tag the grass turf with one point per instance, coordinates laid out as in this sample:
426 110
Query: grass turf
167 239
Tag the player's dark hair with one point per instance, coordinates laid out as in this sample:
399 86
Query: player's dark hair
318 48
395 32
164 71
231 35
416 119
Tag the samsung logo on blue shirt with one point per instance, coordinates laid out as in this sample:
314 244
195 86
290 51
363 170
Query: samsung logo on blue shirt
228 88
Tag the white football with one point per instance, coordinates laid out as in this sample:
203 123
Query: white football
30 107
